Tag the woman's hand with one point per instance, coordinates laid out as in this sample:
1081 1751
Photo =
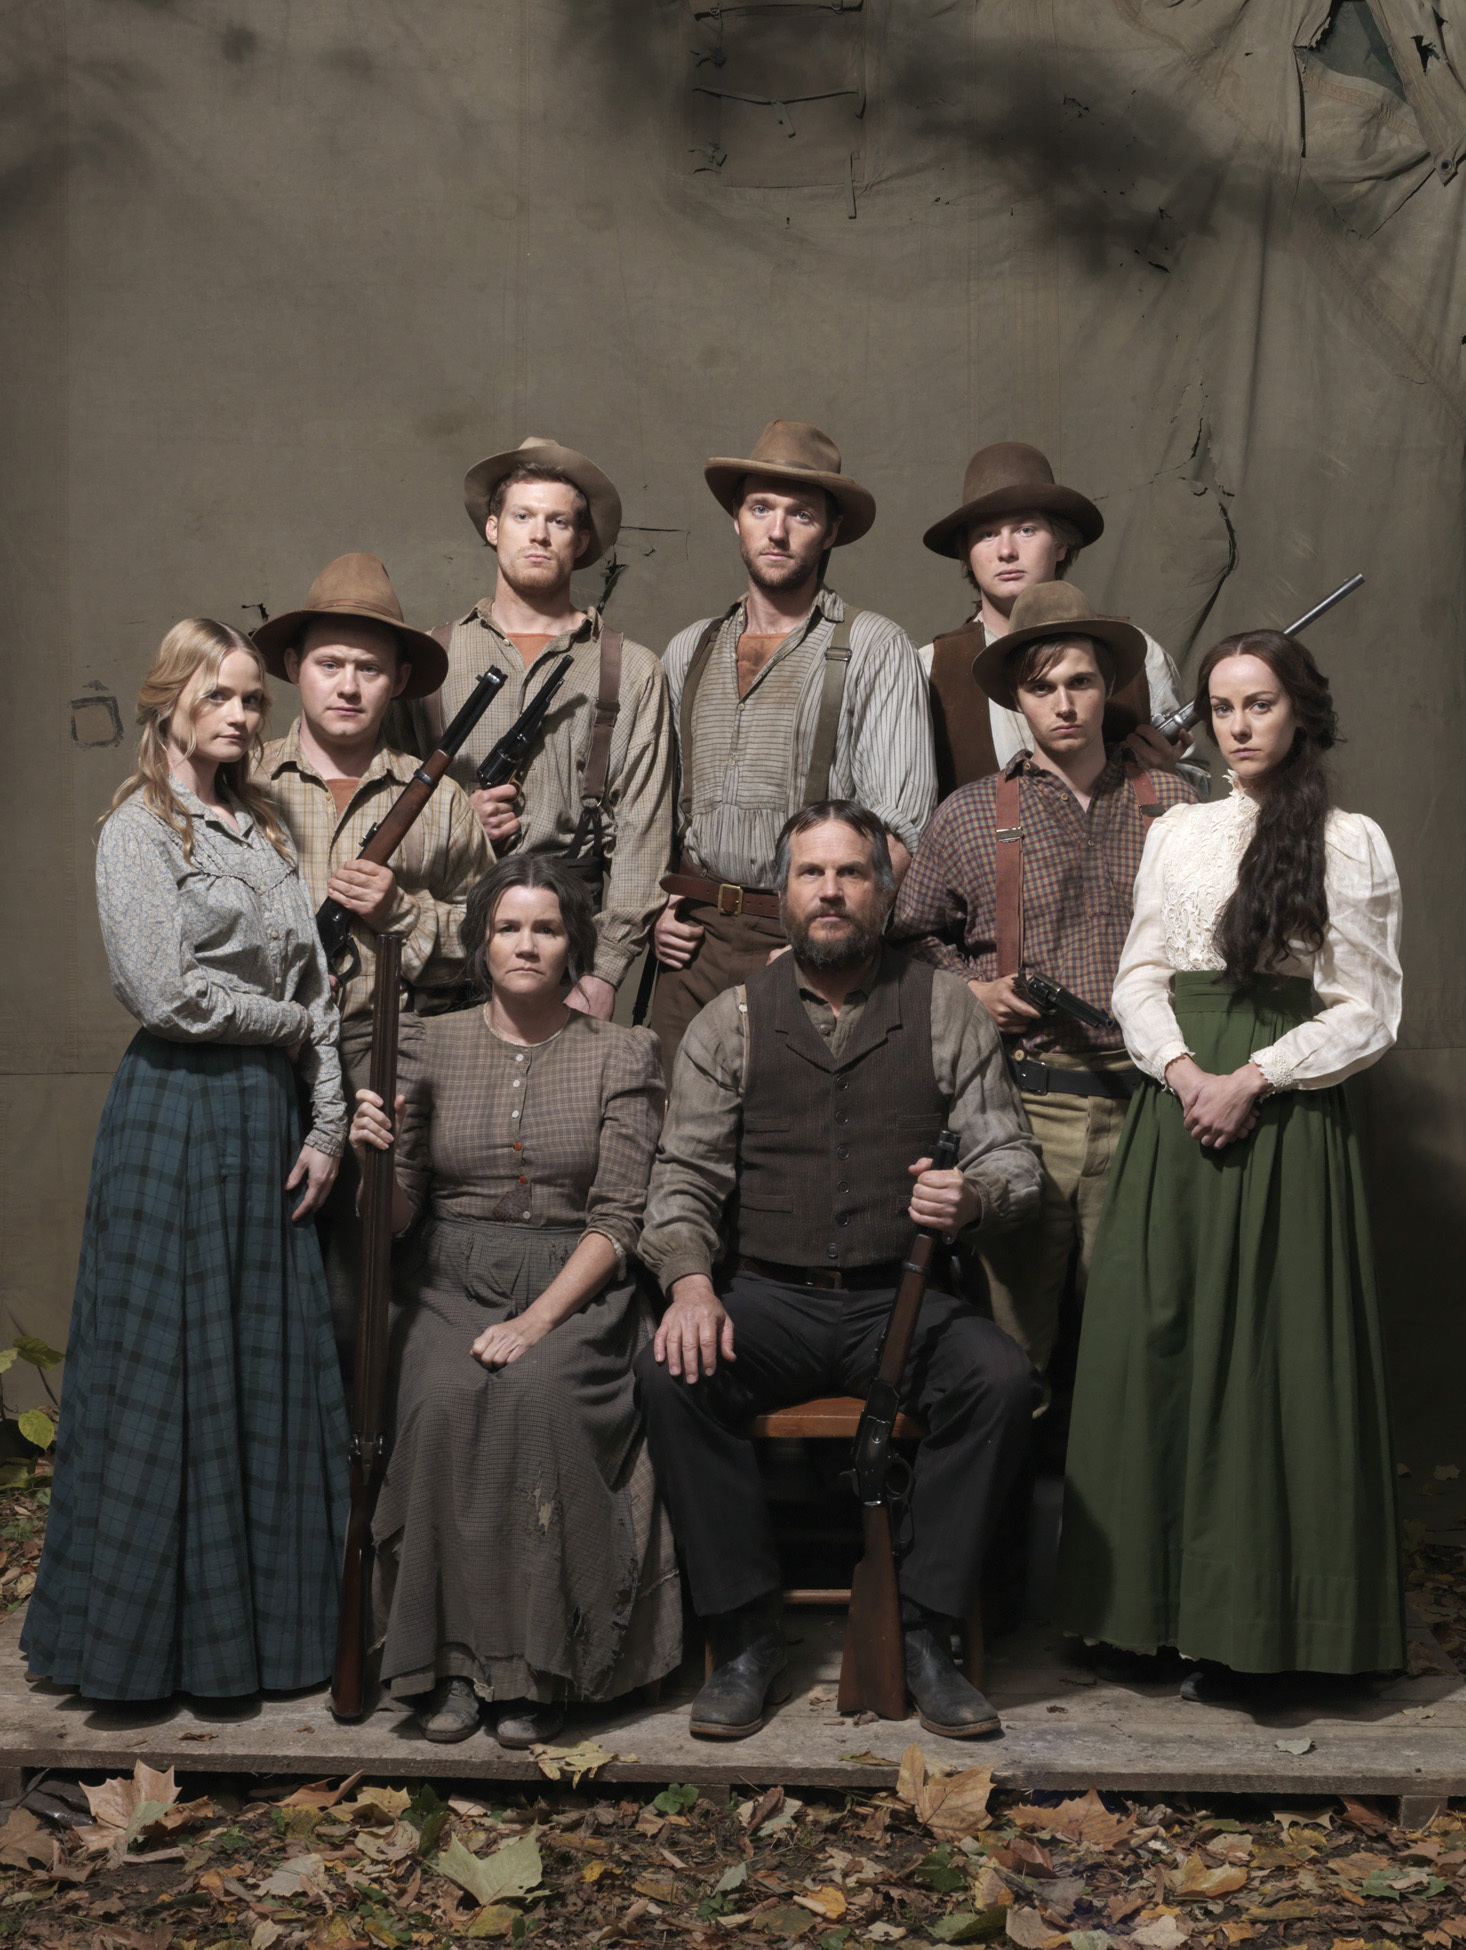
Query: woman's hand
942 1201
1217 1111
369 1127
500 1346
316 1170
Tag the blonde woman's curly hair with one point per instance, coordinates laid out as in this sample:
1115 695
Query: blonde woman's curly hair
194 648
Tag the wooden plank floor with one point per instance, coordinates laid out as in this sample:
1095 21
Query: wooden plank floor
1061 1732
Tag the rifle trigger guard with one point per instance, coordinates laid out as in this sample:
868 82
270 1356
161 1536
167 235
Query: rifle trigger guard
898 1479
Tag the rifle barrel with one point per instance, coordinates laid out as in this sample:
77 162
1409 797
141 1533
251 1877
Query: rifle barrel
1322 609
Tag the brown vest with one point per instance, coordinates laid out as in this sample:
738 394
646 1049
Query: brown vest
826 1140
962 728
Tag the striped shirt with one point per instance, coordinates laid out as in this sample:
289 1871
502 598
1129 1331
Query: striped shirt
750 756
639 779
1079 871
441 858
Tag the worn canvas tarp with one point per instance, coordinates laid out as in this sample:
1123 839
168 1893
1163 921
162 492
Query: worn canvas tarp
276 275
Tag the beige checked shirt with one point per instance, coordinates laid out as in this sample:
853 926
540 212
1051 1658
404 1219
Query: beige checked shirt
639 781
435 866
750 756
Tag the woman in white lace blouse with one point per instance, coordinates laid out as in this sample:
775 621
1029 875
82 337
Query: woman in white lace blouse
1230 1489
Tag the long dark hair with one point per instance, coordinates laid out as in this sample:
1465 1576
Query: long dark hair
1279 898
528 870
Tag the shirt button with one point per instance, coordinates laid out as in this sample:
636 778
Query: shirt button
842 1190
519 1059
832 1251
842 1117
518 1081
517 1145
842 1083
842 1152
514 1113
842 1218
522 1179
528 1215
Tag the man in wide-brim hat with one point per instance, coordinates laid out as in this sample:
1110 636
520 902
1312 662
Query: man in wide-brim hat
787 697
1029 871
332 777
597 789
1015 528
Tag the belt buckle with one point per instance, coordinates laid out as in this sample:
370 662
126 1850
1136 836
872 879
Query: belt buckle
828 1278
730 887
1033 1076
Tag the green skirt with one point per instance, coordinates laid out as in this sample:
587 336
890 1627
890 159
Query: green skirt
1230 1485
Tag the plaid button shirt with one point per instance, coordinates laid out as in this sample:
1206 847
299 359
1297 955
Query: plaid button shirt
437 863
1079 871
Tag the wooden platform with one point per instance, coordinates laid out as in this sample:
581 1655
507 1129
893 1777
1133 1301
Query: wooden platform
1062 1731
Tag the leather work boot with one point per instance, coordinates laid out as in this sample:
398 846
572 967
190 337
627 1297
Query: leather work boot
946 1701
748 1645
450 1711
527 1722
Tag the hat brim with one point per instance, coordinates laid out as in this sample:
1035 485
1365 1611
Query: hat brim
428 657
857 505
944 537
602 500
1124 642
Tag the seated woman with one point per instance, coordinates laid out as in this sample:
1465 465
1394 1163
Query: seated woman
198 1513
1231 1488
522 1555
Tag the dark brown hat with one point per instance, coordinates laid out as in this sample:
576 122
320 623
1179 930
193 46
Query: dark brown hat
355 585
789 450
1056 609
1009 479
603 500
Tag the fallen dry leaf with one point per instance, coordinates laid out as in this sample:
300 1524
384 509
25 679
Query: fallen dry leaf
318 1794
1085 1819
952 1806
588 1758
23 1841
1197 1883
1165 1933
1026 1928
828 1902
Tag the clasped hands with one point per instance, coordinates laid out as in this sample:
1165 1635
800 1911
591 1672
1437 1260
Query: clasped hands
695 1329
1217 1111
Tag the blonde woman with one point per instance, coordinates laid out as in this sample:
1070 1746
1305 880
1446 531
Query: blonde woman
196 1517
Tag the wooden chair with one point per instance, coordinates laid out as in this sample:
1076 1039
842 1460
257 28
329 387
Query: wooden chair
835 1418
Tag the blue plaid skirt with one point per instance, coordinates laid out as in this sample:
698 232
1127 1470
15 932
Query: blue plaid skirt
199 1505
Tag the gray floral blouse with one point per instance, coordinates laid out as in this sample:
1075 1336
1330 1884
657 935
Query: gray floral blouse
222 949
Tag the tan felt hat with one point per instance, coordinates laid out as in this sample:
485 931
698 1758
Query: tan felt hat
1054 609
789 450
354 585
604 502
1009 479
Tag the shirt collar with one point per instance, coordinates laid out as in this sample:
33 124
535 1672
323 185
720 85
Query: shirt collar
587 632
1024 765
828 607
196 809
386 762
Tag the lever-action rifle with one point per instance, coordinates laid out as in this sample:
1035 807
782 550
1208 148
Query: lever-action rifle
873 1669
504 764
369 1387
1173 723
333 921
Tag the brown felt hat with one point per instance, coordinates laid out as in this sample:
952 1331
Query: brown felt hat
355 585
789 450
603 500
1009 479
1057 609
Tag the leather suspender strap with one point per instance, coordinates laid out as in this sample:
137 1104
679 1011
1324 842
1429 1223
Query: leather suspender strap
690 683
1143 785
827 724
608 706
1008 875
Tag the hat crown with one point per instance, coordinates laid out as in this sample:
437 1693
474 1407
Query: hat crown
794 443
1058 604
356 584
1001 468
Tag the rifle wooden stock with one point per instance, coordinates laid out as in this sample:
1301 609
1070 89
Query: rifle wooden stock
873 1666
369 1389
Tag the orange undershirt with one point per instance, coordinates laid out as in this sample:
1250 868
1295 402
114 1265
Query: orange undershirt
753 653
342 791
529 647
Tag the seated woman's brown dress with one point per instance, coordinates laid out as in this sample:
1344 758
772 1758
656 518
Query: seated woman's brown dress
520 1541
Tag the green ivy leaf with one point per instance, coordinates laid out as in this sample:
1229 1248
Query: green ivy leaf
36 1352
36 1426
8 1358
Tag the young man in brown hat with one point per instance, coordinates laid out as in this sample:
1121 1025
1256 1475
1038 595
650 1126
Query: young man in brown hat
597 790
1031 871
1016 528
789 697
332 777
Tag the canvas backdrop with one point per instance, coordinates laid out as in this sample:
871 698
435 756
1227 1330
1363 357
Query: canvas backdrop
276 275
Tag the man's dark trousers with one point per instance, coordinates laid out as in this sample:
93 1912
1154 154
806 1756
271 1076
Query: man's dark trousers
971 1386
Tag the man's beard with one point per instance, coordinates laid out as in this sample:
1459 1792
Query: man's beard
832 957
764 575
535 576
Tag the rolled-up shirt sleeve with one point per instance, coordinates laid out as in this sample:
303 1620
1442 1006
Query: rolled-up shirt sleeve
999 1155
155 974
631 1116
696 1164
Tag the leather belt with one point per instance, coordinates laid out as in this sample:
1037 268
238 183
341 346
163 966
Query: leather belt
725 895
1042 1080
832 1279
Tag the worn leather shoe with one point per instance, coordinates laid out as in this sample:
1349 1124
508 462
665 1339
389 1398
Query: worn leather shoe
946 1701
527 1722
749 1647
450 1712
